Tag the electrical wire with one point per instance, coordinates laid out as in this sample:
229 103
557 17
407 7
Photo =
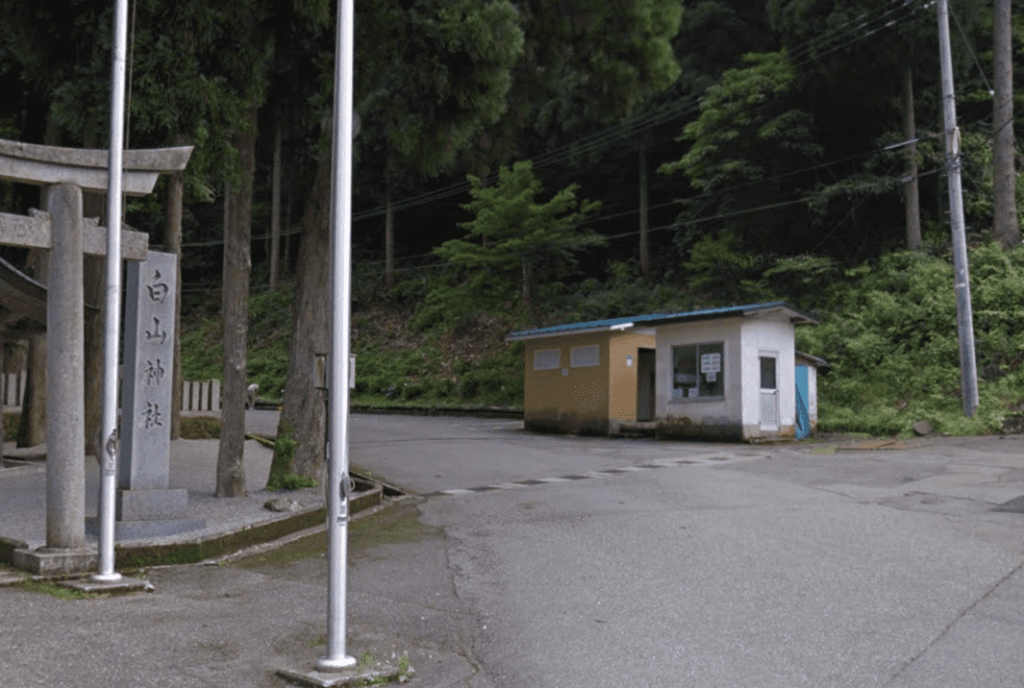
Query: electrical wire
967 44
836 39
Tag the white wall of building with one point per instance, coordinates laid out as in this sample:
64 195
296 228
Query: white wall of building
708 411
768 335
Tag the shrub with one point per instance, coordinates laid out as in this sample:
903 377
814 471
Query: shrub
891 338
200 427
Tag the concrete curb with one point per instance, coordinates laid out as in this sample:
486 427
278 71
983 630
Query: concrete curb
477 412
199 549
189 551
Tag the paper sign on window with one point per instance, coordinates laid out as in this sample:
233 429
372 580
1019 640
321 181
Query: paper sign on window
710 363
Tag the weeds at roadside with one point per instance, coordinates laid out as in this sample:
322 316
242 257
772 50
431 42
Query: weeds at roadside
59 591
200 428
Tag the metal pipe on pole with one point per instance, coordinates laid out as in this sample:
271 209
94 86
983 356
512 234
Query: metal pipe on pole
112 305
341 255
961 277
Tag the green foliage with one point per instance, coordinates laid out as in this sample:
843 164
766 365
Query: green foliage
752 131
202 352
271 323
891 340
290 481
496 381
270 328
389 373
10 431
801 280
59 591
716 266
741 113
515 244
416 378
431 78
281 476
978 181
200 428
625 292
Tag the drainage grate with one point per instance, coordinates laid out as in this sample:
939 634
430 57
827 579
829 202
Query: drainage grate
875 444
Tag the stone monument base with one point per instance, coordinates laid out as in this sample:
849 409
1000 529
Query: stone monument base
144 530
47 561
141 514
150 505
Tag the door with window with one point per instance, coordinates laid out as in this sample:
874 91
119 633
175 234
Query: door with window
769 391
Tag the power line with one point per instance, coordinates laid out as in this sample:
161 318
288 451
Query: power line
838 38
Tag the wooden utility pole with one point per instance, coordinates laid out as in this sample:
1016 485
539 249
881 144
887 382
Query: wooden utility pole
961 277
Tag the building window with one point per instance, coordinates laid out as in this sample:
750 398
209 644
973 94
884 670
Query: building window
767 372
547 359
698 370
585 356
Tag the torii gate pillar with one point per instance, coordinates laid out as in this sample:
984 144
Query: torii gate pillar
65 365
65 173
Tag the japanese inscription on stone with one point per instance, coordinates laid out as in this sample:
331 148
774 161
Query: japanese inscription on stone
146 377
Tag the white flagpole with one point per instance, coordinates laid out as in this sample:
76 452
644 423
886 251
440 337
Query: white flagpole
341 254
108 448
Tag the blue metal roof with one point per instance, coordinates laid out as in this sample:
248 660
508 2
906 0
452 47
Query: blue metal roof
659 319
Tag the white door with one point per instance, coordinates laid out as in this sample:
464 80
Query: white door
769 391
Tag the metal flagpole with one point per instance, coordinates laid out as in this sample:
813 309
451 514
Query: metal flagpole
961 278
112 306
341 254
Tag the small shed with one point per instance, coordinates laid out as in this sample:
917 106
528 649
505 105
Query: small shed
807 367
721 373
588 378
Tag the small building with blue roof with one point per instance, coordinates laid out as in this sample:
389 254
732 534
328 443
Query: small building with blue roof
727 373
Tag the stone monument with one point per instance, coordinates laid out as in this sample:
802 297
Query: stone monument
65 173
145 505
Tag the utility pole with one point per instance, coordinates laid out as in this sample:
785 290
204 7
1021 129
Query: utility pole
961 278
338 486
107 450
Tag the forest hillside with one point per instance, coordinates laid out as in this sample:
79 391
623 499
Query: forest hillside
888 332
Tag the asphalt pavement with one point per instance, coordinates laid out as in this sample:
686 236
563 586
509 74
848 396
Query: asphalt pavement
530 560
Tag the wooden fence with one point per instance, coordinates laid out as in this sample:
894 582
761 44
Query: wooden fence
195 396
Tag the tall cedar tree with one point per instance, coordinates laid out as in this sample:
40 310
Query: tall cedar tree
527 243
429 75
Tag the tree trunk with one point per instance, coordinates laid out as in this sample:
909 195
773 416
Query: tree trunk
172 244
303 416
275 209
911 195
235 306
32 426
528 300
389 243
645 252
286 265
94 271
1004 192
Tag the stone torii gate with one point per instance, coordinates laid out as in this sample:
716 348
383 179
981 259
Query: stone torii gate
65 173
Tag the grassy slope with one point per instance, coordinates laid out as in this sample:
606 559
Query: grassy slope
887 329
468 366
